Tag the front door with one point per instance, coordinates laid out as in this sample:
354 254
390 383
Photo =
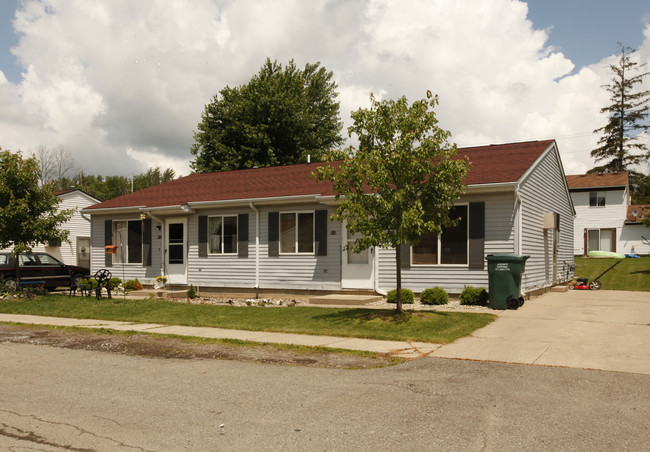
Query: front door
357 271
176 250
83 252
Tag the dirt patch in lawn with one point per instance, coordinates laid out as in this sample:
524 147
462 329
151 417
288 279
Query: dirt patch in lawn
151 346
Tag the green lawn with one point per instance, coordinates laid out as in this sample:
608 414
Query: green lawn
631 274
438 327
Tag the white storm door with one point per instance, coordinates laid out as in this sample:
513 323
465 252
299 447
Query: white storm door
357 271
176 250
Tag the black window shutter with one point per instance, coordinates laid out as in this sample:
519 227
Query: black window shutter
321 232
405 255
108 240
242 235
477 235
146 243
203 236
274 233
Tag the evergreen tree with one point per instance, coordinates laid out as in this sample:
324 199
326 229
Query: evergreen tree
619 145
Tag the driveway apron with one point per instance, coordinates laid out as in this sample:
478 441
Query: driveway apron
606 330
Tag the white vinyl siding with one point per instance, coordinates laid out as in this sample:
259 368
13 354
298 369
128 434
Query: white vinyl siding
612 216
146 274
498 239
543 190
301 271
220 270
77 225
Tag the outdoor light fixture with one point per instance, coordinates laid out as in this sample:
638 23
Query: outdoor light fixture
143 216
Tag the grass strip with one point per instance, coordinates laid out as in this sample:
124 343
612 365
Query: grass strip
631 274
423 326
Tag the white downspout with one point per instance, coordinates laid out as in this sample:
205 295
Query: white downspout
518 226
375 272
257 248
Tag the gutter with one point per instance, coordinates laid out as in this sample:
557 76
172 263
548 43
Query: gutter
257 249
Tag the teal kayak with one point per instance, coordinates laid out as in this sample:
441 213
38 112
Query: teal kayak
607 254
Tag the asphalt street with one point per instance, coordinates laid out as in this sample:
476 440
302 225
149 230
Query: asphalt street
59 399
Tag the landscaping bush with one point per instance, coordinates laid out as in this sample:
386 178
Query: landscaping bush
407 296
434 296
133 284
90 283
191 292
475 296
114 282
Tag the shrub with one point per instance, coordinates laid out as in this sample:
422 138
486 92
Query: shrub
191 292
407 296
434 296
90 284
133 284
114 282
475 296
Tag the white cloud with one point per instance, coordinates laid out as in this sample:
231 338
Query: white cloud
122 84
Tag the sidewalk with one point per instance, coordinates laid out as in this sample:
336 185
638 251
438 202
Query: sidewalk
402 349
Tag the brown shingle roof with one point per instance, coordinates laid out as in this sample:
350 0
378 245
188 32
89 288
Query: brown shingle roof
598 180
642 210
490 165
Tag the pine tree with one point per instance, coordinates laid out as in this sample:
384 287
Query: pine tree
619 145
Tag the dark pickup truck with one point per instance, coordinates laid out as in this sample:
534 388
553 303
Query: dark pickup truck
39 269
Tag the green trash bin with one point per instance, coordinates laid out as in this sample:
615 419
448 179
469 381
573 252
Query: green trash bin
505 272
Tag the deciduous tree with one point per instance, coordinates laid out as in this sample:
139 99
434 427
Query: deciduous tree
401 181
279 117
29 212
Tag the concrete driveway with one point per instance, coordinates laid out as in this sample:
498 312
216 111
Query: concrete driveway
606 330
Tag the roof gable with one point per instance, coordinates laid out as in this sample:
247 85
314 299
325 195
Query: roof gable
494 164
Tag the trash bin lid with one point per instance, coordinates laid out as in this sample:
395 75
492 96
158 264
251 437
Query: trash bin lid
505 257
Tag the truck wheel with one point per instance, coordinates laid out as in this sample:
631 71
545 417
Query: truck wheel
10 284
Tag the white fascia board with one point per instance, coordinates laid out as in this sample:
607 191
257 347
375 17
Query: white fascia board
490 188
256 201
109 210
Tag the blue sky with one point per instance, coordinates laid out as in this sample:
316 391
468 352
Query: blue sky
122 84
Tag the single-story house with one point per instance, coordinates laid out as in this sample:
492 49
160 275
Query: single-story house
270 228
77 250
605 219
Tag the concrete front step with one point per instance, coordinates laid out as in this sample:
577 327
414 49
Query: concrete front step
343 299
560 288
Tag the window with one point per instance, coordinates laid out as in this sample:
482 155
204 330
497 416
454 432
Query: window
46 259
222 235
448 248
3 259
127 236
297 232
596 199
600 240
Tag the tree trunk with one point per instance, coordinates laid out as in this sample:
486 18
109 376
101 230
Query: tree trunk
398 259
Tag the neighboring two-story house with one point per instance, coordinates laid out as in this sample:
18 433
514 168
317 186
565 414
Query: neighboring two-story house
604 217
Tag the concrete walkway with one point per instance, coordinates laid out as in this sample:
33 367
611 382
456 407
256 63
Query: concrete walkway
402 349
606 330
